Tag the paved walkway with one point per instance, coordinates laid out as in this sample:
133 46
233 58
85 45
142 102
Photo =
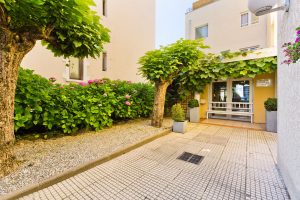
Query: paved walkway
237 124
238 164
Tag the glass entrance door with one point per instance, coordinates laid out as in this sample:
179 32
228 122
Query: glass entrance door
219 92
241 98
241 91
219 98
232 97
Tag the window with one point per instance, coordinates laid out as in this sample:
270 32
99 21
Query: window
226 51
244 19
254 19
104 7
202 32
104 61
252 48
247 17
76 70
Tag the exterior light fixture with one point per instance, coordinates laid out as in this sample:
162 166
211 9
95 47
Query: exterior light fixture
263 7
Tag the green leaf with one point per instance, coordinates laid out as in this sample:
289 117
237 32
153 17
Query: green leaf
77 44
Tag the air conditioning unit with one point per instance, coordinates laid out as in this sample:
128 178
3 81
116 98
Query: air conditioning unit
263 7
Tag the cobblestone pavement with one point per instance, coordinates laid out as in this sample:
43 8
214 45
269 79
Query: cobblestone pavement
238 164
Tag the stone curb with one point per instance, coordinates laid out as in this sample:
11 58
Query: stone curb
77 170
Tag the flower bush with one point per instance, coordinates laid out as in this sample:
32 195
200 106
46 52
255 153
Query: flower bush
68 108
134 100
292 50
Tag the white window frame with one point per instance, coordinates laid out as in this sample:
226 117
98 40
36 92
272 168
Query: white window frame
229 88
250 19
204 25
84 71
104 61
251 48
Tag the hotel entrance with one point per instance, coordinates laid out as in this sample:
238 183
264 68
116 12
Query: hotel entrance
231 99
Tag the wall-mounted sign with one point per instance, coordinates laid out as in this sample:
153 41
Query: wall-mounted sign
264 83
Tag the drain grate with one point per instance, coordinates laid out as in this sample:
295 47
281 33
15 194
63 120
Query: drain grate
191 158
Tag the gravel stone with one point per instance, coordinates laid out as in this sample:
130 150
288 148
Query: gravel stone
42 159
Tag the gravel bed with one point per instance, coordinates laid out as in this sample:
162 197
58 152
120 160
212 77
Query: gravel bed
42 159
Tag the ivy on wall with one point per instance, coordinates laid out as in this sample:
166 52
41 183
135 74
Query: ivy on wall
196 78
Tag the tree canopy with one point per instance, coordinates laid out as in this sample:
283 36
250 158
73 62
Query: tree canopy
167 63
186 64
66 27
164 65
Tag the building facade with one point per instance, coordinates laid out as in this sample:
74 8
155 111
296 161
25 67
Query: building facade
132 30
288 103
228 25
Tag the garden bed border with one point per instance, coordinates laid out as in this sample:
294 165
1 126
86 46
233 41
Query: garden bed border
79 169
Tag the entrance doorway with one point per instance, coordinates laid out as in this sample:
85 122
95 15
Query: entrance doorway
231 99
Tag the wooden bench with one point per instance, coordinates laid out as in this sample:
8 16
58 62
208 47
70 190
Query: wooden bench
230 113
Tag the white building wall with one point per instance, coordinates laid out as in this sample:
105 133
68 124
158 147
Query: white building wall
289 104
224 26
132 26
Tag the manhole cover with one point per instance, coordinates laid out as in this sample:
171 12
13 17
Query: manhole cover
191 158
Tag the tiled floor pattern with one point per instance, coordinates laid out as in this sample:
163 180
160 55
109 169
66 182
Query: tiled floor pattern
239 164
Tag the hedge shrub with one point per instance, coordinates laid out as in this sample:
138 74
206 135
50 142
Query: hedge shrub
41 103
271 104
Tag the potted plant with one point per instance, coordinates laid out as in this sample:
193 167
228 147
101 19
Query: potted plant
271 114
179 123
194 111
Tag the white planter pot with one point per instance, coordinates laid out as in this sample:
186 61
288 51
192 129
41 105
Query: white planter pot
271 121
194 115
179 127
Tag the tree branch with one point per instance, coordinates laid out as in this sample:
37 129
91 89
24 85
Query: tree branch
39 34
3 16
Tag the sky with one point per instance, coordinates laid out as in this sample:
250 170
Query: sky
170 20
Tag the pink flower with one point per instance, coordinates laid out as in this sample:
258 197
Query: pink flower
82 83
127 96
297 40
128 103
90 81
298 32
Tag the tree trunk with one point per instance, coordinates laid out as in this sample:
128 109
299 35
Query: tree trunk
12 51
159 103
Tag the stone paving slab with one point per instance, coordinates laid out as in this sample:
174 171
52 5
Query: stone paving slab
238 164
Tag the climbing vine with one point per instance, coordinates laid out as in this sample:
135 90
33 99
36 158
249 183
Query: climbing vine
216 68
186 66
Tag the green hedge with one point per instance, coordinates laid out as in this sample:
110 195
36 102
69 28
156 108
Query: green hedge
68 108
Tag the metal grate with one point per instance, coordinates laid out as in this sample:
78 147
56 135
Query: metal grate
191 158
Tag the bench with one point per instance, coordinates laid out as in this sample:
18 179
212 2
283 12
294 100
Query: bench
230 113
